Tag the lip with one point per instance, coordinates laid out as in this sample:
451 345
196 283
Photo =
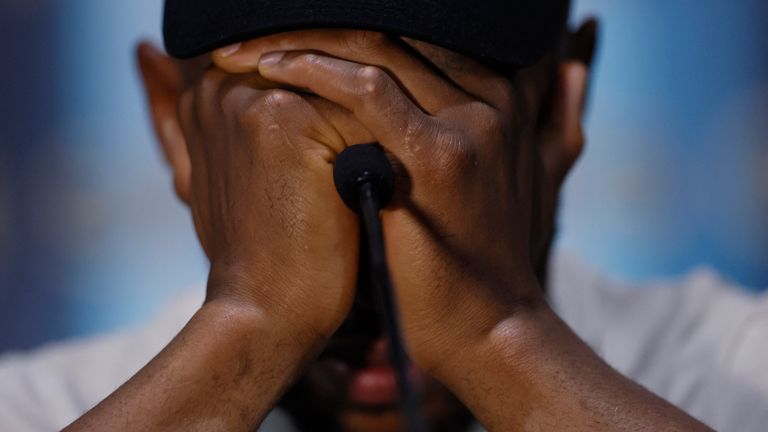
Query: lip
367 378
377 386
373 386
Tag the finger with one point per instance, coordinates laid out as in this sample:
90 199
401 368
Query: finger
346 126
338 126
477 80
367 91
417 77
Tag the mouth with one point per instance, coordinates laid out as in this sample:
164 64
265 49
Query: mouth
354 373
353 385
363 375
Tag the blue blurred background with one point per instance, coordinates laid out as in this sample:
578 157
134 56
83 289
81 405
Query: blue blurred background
92 238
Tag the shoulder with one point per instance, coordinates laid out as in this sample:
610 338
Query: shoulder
696 340
701 307
65 379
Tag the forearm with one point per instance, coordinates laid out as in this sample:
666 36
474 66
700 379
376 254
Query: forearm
531 372
224 371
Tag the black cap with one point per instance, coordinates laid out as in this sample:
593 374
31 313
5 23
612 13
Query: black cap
505 33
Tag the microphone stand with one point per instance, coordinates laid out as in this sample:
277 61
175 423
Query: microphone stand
365 180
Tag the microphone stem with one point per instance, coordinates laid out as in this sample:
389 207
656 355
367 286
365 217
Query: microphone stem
380 278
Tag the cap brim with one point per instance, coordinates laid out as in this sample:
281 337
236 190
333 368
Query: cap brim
518 37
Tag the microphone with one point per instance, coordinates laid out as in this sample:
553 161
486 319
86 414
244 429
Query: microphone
361 164
365 180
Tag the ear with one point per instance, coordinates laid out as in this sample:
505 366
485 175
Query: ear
163 84
563 135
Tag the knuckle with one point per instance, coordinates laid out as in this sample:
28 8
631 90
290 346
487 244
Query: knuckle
488 123
372 81
365 40
454 155
308 60
441 154
208 85
274 101
256 113
270 109
279 100
231 100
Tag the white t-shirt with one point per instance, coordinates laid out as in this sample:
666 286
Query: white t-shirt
698 342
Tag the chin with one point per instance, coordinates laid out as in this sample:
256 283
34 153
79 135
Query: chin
384 421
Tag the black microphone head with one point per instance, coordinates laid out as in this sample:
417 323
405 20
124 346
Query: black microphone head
359 164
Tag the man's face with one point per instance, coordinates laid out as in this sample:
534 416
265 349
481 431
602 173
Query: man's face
352 385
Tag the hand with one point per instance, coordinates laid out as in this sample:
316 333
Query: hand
263 200
459 240
254 164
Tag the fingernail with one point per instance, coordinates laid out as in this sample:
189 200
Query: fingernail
229 49
271 59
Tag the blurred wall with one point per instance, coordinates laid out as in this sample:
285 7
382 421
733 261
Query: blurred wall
96 237
676 170
92 238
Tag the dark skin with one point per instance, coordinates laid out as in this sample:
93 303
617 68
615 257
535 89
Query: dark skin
251 143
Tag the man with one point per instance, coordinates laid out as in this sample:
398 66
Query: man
251 132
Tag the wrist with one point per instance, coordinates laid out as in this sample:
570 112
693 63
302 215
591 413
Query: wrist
253 327
511 351
225 371
504 330
282 304
533 362
473 320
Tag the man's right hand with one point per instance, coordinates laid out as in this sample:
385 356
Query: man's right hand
254 163
263 201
